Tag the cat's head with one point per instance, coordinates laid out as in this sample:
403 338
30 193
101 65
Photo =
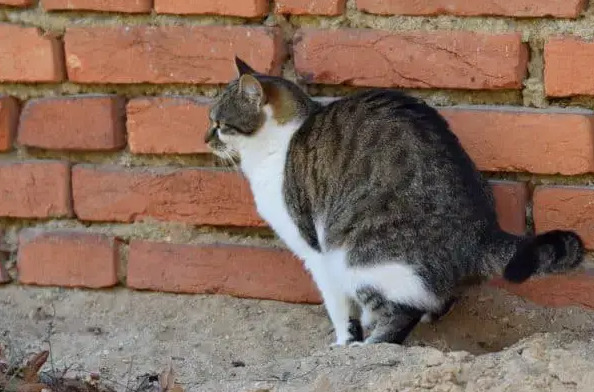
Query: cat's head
247 104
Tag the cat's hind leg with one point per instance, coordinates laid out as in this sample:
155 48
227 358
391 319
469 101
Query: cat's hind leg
393 322
355 327
431 317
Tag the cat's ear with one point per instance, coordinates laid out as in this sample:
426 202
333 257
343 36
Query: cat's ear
251 88
242 68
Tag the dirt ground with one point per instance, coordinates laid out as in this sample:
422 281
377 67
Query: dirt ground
219 343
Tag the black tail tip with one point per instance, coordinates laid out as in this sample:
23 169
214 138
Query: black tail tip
550 252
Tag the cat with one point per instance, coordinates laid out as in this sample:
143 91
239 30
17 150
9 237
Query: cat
378 198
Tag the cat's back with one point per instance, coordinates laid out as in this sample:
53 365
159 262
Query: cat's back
375 114
384 158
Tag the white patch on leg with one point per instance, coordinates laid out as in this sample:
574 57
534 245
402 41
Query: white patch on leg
325 269
398 282
367 318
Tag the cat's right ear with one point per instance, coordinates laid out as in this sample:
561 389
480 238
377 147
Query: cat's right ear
242 68
251 88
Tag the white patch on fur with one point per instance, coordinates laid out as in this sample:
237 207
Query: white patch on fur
338 283
321 234
263 158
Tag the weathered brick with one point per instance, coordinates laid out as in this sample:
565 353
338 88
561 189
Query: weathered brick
197 196
565 207
34 189
29 56
536 141
510 201
17 3
169 54
91 123
306 7
67 258
240 271
568 67
555 290
518 8
243 8
9 115
441 59
166 125
127 6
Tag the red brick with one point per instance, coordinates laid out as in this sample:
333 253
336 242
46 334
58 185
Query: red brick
307 7
510 201
9 115
442 59
128 6
565 207
244 8
92 123
536 141
67 258
29 56
240 271
34 189
518 8
169 54
555 290
17 3
568 67
197 196
167 125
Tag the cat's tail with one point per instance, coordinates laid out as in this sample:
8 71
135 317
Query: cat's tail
550 252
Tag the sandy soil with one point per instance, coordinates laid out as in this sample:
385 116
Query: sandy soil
221 343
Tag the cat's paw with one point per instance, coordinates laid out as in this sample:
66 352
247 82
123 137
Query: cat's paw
338 344
427 318
357 344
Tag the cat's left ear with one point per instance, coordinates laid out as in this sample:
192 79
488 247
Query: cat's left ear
242 68
251 88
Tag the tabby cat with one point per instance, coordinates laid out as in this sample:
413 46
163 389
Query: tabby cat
378 198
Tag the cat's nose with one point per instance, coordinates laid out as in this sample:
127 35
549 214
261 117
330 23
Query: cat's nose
210 134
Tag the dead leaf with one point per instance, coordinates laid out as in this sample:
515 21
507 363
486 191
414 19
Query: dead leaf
31 369
167 381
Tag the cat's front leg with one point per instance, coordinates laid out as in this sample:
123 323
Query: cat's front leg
336 301
337 306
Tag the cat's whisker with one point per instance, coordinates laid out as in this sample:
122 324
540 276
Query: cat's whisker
231 160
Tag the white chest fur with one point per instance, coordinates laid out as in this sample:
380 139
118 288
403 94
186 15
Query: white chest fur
263 159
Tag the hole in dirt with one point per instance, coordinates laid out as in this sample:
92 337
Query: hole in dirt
487 319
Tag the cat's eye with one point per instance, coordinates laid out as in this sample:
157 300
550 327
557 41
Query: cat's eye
220 127
230 129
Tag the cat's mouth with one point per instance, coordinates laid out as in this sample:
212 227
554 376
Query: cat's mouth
222 151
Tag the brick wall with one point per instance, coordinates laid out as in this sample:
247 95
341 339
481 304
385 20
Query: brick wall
105 179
